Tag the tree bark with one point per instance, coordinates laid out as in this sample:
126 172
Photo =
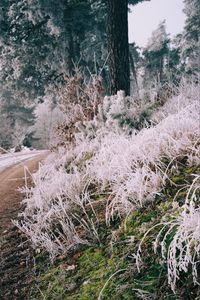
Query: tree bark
70 53
118 46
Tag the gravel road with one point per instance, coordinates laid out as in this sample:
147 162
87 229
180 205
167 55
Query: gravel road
15 252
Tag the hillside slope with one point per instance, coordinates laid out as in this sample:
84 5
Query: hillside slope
117 210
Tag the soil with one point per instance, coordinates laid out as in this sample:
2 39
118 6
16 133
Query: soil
16 255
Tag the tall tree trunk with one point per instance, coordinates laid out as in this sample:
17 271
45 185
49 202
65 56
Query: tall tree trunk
161 69
132 64
70 53
118 46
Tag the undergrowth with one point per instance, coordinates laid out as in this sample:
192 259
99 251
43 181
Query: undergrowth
116 189
109 271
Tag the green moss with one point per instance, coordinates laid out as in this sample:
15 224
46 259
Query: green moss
177 179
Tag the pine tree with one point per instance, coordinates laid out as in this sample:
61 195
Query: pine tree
40 42
155 54
174 65
191 37
135 60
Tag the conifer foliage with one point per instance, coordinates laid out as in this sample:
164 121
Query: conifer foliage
191 36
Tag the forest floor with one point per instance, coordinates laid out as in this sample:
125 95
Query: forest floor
16 263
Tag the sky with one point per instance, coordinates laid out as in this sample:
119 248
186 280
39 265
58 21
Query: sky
146 16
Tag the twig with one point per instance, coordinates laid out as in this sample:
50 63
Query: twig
101 292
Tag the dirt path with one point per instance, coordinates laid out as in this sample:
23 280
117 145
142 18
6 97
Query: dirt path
15 254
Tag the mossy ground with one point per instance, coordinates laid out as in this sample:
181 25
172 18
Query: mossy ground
85 271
